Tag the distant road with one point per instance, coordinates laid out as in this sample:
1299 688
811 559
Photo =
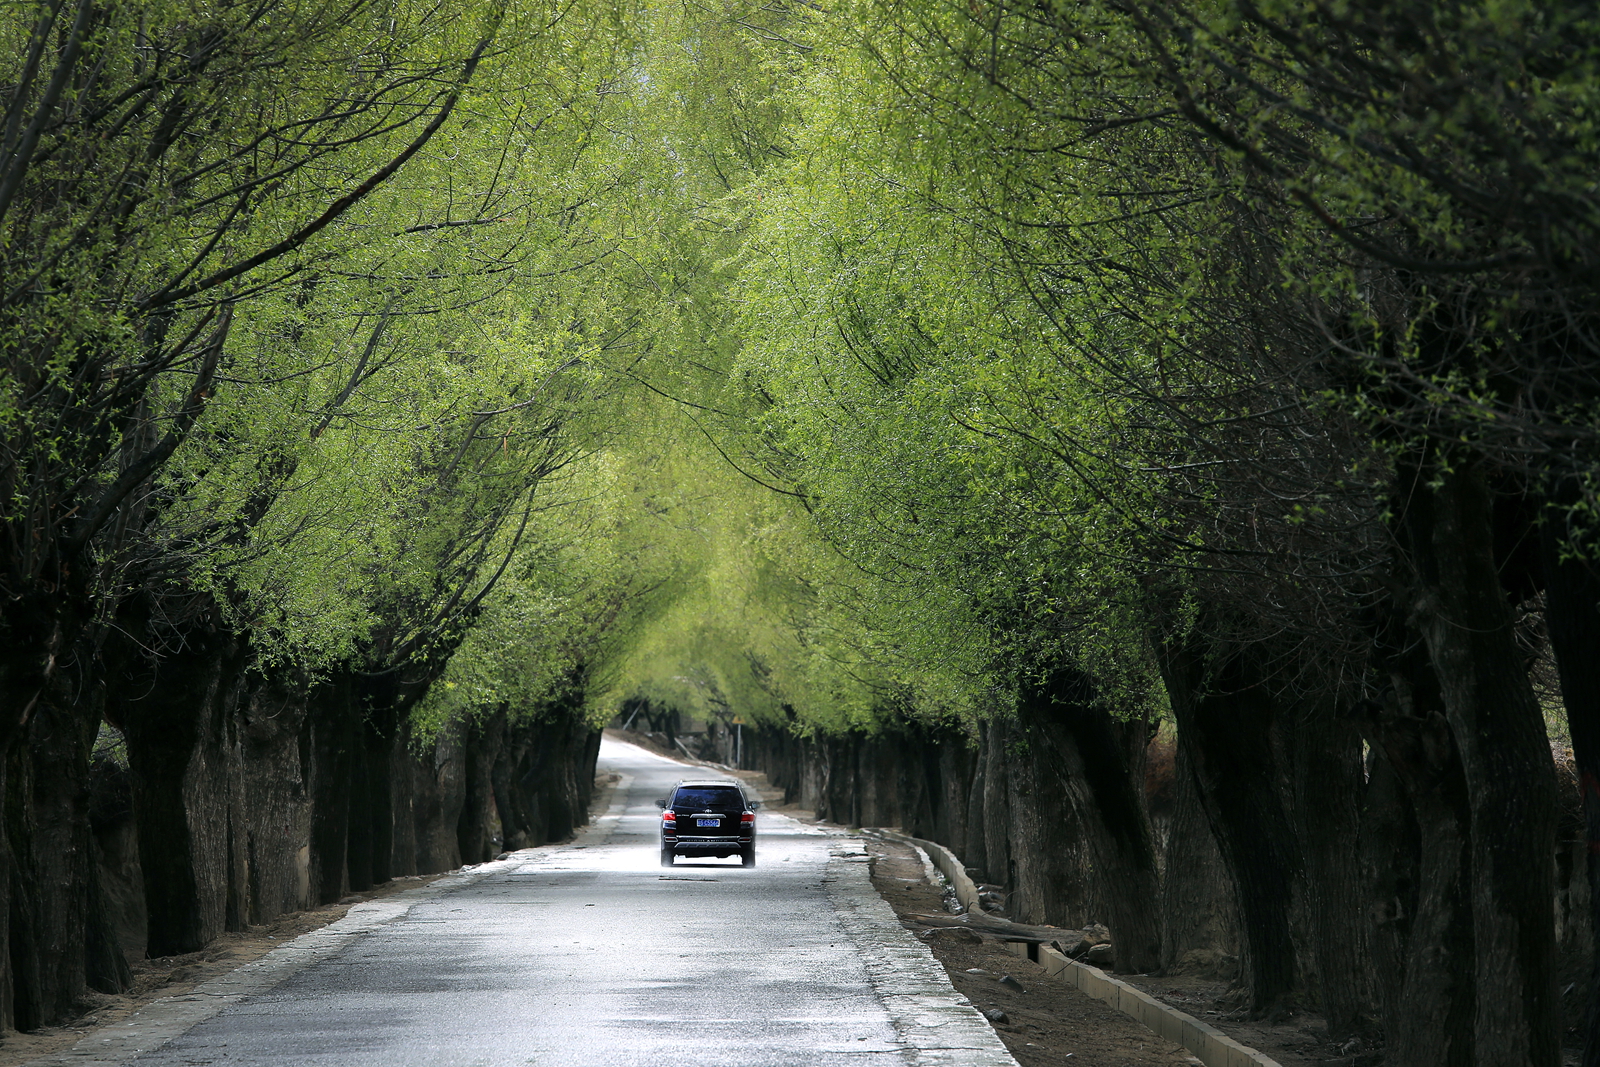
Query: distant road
593 954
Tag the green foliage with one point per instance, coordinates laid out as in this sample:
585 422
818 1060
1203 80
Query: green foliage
822 367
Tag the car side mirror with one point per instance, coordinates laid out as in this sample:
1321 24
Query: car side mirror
662 804
755 805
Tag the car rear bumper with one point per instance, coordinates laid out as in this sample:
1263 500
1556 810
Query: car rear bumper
707 844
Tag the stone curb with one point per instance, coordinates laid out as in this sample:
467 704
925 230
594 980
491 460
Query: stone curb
1212 1046
937 1026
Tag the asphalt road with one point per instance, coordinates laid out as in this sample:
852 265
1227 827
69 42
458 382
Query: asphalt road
592 953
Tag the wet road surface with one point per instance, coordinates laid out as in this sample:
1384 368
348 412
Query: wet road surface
594 954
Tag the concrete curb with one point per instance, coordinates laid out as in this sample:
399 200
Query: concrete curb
1210 1045
936 1025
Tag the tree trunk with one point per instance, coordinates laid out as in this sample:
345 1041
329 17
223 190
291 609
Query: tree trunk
527 790
39 629
333 750
516 821
1327 783
184 774
1390 846
478 822
1225 721
1199 908
1463 614
1572 614
358 788
1049 855
922 791
439 794
977 854
25 989
996 810
954 775
370 850
62 854
588 763
402 803
275 740
1416 836
105 966
1080 743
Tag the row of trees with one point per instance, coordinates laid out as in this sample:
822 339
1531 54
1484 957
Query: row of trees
302 314
1222 362
381 373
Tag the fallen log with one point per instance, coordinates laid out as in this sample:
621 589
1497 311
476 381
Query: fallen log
997 929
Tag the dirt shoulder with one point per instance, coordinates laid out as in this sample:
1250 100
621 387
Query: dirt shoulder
1295 1037
1044 1022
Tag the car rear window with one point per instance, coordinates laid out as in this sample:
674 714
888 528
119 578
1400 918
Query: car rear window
707 798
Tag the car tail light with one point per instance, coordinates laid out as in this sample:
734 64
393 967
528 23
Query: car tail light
747 818
669 817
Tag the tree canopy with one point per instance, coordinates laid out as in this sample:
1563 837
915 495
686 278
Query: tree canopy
837 366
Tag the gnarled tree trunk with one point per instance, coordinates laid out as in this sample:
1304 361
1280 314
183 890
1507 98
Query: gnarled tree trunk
183 761
1462 612
1572 613
1225 718
1102 775
335 731
275 739
1327 783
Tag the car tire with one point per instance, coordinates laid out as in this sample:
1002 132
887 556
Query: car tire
747 856
666 857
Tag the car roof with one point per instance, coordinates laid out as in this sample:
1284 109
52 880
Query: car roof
697 782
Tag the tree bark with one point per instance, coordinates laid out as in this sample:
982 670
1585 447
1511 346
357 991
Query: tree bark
996 809
1421 868
1199 909
1225 722
26 989
476 828
516 820
439 793
953 775
275 740
1572 614
370 852
1080 743
1327 781
184 773
61 855
1463 614
333 749
977 854
922 791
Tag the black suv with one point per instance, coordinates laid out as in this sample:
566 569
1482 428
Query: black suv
709 818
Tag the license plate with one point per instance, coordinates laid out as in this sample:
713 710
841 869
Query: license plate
708 822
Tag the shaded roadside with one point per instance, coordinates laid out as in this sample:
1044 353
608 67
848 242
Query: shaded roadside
1043 1022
